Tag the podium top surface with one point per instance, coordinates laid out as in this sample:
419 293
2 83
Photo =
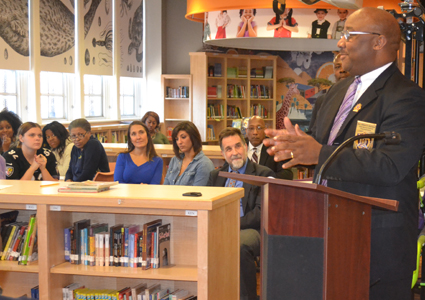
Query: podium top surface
258 180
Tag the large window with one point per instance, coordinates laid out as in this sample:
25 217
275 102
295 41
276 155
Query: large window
53 90
128 96
9 90
93 96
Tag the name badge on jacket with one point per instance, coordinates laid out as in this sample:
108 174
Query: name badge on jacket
364 128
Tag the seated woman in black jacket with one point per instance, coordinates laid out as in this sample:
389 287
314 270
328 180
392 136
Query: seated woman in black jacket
28 160
88 155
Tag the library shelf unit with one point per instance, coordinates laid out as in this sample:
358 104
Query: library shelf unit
202 228
177 100
220 96
110 133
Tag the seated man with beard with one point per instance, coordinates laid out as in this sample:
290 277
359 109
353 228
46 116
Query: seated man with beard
235 151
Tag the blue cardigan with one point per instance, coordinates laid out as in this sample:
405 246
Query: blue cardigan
126 170
86 162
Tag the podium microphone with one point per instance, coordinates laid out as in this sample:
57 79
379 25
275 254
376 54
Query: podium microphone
390 138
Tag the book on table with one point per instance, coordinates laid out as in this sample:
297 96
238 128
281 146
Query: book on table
87 187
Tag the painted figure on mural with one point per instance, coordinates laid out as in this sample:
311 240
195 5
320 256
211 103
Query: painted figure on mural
221 23
319 27
247 27
207 29
339 25
283 24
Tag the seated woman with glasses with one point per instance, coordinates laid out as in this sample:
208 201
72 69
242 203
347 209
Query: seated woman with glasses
87 156
140 163
28 160
56 137
190 166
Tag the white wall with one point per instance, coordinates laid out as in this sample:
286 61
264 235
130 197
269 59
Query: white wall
153 57
169 39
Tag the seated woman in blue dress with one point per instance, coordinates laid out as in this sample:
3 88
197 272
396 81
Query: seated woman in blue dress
190 166
140 163
87 156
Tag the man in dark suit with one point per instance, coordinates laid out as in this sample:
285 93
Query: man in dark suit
387 100
234 150
257 152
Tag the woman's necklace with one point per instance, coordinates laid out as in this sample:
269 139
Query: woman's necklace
153 136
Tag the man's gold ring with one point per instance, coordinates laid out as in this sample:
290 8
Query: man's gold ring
292 154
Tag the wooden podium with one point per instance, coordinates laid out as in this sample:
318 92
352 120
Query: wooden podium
315 240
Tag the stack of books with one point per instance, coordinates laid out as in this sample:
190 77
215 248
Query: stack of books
87 187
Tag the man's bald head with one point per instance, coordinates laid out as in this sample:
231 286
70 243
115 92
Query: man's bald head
377 44
381 21
255 130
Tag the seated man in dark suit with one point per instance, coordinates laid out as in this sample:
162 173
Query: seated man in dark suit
257 151
234 150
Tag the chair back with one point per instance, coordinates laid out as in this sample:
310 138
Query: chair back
104 176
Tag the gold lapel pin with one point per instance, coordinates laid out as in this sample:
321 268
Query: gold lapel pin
357 107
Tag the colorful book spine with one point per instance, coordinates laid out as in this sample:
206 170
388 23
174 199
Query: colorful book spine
23 260
67 241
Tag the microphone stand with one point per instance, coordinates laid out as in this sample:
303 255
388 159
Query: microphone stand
390 138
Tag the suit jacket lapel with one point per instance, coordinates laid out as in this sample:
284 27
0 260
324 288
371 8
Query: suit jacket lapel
263 155
250 170
369 95
221 181
334 104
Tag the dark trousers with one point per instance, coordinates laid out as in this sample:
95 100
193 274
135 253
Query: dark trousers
250 248
396 290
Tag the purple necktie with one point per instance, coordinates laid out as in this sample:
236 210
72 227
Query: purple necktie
254 155
344 110
342 114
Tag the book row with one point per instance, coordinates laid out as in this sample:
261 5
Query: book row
180 92
35 293
210 133
215 71
215 111
261 92
19 240
241 72
259 110
236 91
142 291
214 91
134 246
116 137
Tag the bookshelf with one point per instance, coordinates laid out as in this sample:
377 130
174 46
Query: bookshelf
200 228
241 93
112 133
177 95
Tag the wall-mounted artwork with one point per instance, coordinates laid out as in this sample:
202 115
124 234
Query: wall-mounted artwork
14 42
57 33
57 36
98 43
276 22
131 38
